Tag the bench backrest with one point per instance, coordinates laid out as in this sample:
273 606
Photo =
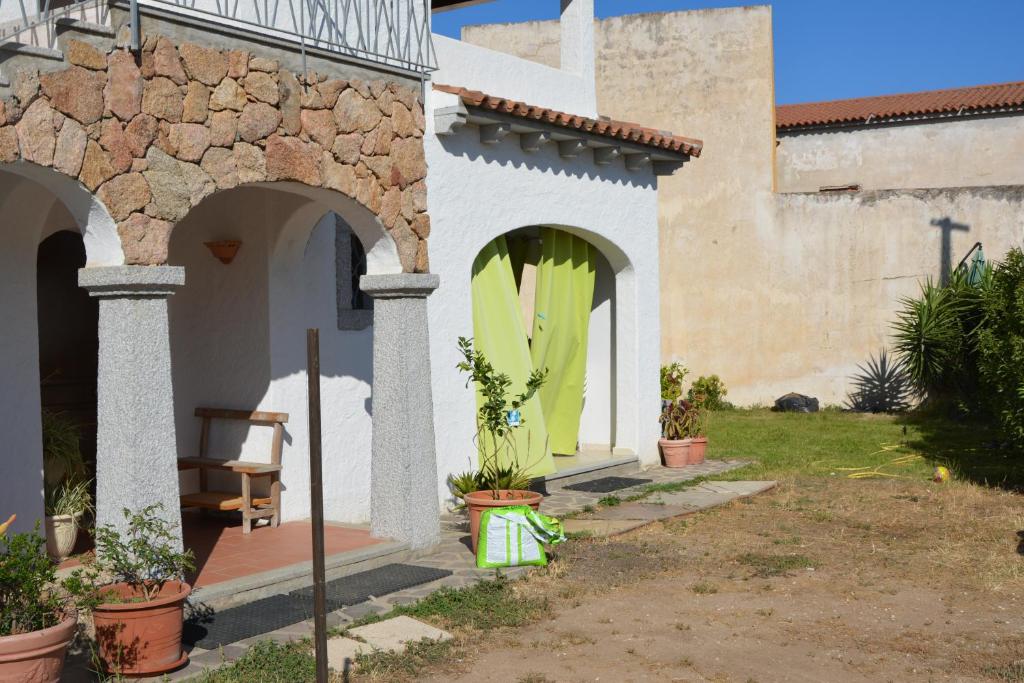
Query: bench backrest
253 417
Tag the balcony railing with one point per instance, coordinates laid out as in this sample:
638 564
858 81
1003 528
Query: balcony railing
394 33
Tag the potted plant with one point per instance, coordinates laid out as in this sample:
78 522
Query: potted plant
37 619
500 481
136 591
65 505
672 377
683 442
66 488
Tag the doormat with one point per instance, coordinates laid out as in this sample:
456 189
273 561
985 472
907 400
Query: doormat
210 630
606 484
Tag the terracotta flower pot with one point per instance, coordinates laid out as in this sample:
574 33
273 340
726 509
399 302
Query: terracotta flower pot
478 501
61 533
698 446
136 637
36 657
675 452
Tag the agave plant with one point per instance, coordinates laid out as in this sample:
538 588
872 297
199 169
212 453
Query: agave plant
882 386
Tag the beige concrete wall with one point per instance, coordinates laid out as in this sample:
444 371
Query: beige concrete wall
774 292
955 153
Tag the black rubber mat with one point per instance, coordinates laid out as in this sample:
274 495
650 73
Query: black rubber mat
606 484
210 630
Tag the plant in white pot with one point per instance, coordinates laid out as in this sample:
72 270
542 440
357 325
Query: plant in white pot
66 487
501 480
65 506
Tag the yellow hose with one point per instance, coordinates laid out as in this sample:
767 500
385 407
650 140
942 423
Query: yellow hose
870 472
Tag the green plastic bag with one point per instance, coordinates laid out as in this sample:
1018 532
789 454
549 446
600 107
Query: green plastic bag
515 536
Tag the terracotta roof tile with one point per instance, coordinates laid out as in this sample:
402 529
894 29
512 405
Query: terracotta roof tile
618 130
1000 95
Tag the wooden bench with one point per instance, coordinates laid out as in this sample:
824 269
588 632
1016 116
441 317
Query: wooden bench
251 508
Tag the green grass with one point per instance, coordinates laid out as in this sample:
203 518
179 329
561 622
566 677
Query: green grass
610 501
268 662
387 665
823 443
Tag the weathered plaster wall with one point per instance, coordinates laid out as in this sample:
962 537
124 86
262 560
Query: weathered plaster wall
785 292
974 151
481 191
239 341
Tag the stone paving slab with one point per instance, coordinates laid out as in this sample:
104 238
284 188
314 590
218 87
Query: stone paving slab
601 527
393 634
341 653
637 511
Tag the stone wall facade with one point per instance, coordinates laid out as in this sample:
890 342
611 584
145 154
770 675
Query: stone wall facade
151 138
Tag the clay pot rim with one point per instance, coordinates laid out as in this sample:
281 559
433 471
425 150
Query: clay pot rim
64 518
487 499
13 644
162 600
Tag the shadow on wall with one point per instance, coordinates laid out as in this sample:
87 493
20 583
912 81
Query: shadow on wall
881 386
465 143
948 226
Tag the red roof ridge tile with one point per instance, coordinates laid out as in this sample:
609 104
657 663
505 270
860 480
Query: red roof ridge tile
859 109
604 127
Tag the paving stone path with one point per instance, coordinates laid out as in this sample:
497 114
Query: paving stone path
453 553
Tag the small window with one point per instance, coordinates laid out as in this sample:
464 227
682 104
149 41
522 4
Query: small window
355 307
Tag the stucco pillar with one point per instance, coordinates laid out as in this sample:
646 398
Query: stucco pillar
403 474
136 450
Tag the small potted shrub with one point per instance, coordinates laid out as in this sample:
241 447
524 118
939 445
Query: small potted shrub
500 481
683 442
37 619
65 506
672 377
136 591
66 488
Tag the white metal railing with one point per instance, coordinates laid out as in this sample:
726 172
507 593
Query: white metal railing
389 32
34 23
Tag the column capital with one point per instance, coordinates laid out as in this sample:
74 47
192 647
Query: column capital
400 285
131 281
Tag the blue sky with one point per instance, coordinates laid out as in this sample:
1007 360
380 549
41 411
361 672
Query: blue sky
834 49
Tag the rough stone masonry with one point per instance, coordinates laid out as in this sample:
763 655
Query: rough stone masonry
152 140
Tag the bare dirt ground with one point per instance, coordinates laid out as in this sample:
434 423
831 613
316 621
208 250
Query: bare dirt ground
820 580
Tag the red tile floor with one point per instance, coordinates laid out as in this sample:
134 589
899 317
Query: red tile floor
224 553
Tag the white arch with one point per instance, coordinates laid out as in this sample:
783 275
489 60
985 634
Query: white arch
99 232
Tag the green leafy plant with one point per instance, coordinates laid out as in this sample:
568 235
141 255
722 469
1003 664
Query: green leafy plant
1001 346
683 420
709 393
62 455
672 377
30 599
69 498
497 417
145 558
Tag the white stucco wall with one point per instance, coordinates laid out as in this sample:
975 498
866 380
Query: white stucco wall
479 192
31 211
238 340
964 152
597 425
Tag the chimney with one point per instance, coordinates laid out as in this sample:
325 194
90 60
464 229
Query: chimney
577 24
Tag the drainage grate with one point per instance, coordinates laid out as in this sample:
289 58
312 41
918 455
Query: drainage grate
212 630
606 484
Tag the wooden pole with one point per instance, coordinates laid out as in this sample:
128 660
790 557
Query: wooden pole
316 490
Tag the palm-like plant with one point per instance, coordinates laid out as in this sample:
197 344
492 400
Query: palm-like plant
926 335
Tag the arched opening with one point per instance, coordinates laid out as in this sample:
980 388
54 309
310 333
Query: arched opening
564 321
238 341
48 352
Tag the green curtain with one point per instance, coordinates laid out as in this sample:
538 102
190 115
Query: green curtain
499 333
565 294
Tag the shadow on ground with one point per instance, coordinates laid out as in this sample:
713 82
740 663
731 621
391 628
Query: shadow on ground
971 449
